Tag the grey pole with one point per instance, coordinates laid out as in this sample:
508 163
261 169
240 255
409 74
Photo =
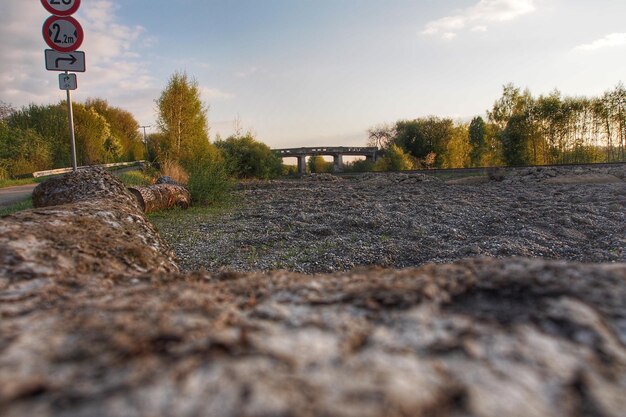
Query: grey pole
70 116
145 139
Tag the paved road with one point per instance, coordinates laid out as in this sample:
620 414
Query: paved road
12 195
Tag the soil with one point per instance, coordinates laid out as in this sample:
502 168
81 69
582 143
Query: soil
325 223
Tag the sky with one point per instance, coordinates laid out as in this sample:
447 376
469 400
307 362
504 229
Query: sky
321 72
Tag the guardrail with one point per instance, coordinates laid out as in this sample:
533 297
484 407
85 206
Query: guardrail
60 171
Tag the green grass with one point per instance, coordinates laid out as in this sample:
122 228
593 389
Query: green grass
13 183
135 178
14 208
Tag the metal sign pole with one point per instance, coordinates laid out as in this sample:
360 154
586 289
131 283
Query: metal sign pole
70 116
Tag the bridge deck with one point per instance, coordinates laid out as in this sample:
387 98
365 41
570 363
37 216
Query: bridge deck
327 150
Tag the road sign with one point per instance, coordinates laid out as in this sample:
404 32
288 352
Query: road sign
61 7
68 82
63 34
65 61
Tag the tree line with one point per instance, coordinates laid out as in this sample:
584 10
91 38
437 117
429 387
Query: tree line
36 137
520 129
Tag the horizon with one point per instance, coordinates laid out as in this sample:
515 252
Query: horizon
322 73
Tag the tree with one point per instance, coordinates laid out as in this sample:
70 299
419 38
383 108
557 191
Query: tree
317 164
91 132
182 117
423 136
478 141
50 122
6 110
458 148
381 136
124 129
395 159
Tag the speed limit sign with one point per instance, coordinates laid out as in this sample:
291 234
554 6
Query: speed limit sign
61 7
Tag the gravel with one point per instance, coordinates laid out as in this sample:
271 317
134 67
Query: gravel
325 223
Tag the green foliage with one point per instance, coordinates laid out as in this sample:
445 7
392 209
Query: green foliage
91 132
209 181
248 158
50 122
395 159
22 152
421 137
182 118
290 171
478 141
124 130
458 148
135 178
318 165
362 165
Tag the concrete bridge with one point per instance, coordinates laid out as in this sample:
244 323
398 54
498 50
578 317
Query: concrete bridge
337 152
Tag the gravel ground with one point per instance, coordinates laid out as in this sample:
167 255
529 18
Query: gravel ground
325 223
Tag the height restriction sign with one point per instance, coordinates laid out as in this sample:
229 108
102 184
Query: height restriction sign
63 34
61 7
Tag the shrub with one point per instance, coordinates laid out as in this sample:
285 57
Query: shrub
208 181
395 159
246 157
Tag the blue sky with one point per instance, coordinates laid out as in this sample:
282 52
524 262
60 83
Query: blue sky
321 72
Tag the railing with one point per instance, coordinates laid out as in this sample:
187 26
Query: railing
59 171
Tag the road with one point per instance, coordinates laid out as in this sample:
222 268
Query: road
12 195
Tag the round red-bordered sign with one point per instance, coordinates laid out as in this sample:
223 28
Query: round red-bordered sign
63 34
61 7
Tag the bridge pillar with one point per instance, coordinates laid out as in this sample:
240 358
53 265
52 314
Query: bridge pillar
301 165
338 163
370 158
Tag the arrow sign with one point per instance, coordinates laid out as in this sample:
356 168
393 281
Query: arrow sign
65 61
63 34
61 7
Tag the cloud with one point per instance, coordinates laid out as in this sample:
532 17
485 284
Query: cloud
479 16
211 94
609 41
115 70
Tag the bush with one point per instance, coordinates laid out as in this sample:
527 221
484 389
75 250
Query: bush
359 166
395 159
208 181
246 157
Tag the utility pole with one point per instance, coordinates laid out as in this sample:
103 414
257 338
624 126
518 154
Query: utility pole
145 138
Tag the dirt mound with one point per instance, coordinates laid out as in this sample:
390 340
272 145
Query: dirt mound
85 332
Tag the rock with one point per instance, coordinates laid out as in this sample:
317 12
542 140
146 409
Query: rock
85 184
166 180
96 320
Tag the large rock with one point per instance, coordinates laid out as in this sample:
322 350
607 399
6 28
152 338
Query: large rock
84 184
84 331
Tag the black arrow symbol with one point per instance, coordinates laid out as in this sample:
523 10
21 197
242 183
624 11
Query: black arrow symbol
72 60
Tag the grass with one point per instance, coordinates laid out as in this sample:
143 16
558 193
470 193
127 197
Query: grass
13 183
14 208
135 178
